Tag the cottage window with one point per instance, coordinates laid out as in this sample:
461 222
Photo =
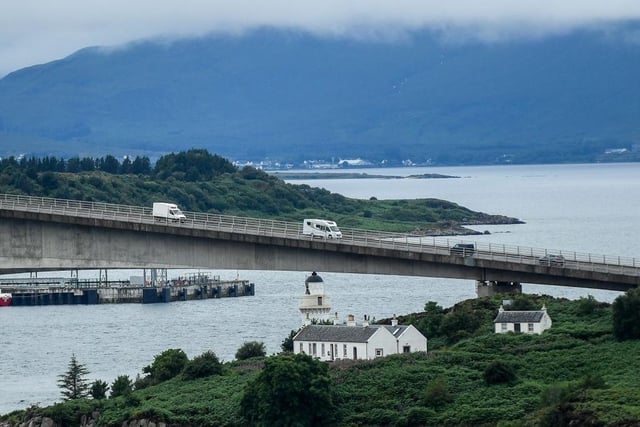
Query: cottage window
344 350
319 300
309 352
406 349
301 348
503 327
315 349
530 327
322 349
379 352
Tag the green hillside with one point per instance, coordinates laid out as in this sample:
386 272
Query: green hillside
575 373
291 96
201 182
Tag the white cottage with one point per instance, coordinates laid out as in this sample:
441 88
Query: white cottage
358 342
528 322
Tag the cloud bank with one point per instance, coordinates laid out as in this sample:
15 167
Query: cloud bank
35 31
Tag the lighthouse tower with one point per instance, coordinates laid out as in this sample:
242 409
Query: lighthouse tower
314 304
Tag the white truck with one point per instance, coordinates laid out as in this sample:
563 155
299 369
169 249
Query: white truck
167 212
321 228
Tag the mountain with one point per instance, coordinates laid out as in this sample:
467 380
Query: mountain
291 96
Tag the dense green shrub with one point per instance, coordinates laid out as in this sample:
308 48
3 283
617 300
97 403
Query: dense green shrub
499 372
202 366
99 389
290 390
68 413
251 349
166 365
587 306
437 393
626 315
121 386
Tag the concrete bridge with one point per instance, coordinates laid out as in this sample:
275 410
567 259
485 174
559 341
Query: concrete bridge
44 234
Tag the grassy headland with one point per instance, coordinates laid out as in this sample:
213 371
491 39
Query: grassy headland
199 181
575 373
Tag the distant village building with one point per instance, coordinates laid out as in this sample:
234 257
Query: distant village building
344 163
358 342
528 322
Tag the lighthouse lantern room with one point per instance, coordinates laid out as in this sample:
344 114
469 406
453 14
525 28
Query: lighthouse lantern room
315 306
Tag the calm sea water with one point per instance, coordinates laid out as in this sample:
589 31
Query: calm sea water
586 208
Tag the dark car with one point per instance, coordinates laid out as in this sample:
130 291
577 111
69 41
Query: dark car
552 260
463 249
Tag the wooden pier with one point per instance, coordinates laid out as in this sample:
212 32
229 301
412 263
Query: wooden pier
58 291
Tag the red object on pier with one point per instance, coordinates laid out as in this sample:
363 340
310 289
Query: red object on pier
5 300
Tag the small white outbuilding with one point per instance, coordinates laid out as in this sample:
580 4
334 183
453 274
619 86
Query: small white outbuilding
528 322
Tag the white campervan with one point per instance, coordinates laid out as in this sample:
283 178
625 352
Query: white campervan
321 228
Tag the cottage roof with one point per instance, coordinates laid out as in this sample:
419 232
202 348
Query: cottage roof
337 333
519 316
397 330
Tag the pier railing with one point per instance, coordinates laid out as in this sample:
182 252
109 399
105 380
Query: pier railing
352 236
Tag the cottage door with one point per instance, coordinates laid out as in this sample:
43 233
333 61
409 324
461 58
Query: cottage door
516 327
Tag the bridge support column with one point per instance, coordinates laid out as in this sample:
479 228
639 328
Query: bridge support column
488 289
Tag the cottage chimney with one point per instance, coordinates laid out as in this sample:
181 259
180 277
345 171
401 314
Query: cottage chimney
394 321
501 309
335 319
351 320
544 307
365 322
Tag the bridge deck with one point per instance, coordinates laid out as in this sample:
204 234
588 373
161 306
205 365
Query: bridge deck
561 261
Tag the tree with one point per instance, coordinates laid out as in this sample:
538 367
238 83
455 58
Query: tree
205 365
460 323
429 324
626 315
99 389
73 383
121 386
166 365
287 343
251 349
109 164
290 390
141 165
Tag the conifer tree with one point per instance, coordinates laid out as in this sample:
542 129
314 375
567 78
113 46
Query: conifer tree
73 383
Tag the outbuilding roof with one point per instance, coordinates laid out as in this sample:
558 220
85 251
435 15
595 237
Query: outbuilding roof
519 316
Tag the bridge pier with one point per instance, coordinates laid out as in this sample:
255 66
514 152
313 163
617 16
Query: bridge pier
490 288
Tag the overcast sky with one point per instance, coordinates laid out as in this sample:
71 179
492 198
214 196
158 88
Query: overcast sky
38 31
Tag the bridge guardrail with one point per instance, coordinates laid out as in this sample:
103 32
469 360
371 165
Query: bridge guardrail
352 236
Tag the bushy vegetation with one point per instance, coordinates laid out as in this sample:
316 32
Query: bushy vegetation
626 315
166 365
291 390
576 373
202 182
203 366
251 349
